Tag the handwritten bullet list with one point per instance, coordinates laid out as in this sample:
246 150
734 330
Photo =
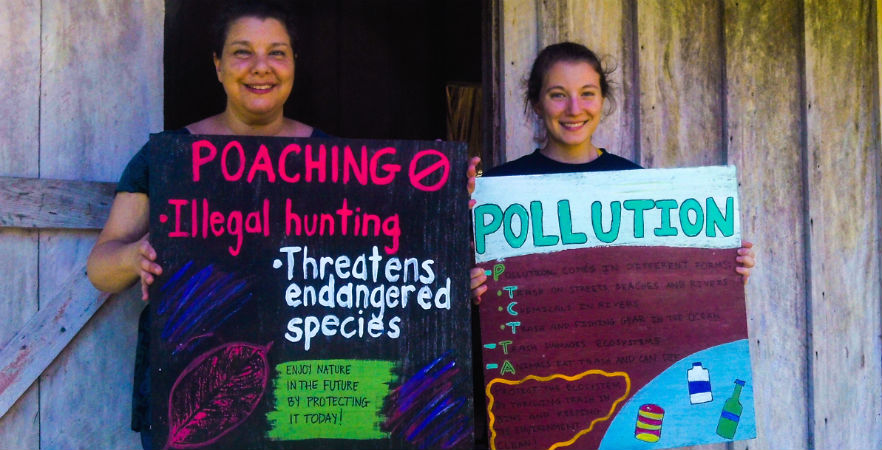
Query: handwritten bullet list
505 293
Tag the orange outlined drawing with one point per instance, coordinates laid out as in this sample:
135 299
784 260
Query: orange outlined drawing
492 418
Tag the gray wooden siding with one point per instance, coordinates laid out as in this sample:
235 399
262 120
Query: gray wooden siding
88 90
765 132
788 91
842 149
19 155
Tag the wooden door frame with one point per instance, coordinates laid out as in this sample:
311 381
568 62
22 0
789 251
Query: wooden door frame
493 121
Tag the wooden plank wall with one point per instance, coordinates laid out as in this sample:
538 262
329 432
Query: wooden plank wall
19 132
843 211
765 139
788 91
88 77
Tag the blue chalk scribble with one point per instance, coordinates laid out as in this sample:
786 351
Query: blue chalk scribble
197 301
425 409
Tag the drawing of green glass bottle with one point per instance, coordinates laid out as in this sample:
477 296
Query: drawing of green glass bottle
731 413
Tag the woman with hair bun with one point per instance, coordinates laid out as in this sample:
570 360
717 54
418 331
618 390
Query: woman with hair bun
567 90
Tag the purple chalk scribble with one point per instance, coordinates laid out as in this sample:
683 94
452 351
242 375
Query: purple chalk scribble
198 301
425 409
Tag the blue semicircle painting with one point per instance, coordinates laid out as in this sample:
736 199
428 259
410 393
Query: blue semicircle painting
683 422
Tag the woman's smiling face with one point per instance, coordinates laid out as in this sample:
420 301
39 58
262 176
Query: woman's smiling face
570 105
256 68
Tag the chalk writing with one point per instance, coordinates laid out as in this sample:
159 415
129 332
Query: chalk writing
360 308
329 399
318 246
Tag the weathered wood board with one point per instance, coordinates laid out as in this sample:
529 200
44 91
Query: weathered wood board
681 74
19 130
765 140
843 213
43 203
19 427
19 156
520 42
100 95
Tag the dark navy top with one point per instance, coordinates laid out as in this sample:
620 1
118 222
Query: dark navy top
135 178
536 163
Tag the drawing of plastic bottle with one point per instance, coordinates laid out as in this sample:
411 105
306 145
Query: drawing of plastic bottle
649 423
699 384
731 413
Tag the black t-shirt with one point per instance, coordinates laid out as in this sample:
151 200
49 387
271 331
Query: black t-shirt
536 163
135 178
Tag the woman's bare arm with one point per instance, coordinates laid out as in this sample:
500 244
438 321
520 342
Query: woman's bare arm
123 253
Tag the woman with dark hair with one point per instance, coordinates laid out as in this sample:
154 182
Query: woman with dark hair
567 91
254 58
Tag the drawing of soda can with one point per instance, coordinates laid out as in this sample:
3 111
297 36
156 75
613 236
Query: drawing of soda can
649 423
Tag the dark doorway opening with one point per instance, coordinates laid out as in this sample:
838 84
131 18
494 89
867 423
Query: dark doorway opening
366 69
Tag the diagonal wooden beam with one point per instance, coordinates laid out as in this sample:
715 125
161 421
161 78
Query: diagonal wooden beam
44 203
45 335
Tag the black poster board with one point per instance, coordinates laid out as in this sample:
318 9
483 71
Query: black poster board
314 293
